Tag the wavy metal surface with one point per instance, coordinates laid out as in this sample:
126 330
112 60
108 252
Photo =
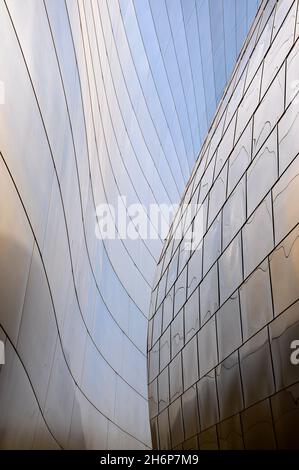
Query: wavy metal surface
102 98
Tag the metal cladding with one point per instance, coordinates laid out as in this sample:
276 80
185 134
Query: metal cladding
98 99
224 324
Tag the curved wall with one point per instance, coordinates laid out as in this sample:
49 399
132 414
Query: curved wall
102 98
225 314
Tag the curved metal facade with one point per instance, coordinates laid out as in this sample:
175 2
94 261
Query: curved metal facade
100 99
226 314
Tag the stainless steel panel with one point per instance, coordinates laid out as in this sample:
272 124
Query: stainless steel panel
229 331
257 426
208 439
176 422
284 272
177 333
230 434
175 377
207 348
230 269
192 315
190 412
164 349
285 414
255 361
255 247
256 301
190 363
207 400
229 387
208 295
262 172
